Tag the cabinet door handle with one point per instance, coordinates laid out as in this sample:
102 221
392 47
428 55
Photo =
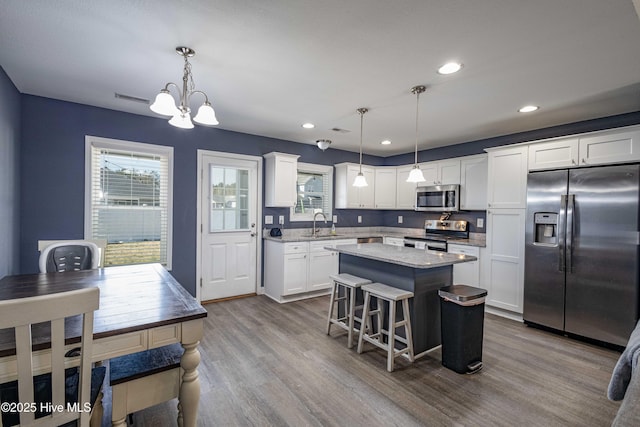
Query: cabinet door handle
584 161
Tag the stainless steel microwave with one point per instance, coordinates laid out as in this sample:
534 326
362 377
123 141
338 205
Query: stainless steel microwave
438 198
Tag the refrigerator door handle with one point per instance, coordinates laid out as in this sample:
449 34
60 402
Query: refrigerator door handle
562 227
570 231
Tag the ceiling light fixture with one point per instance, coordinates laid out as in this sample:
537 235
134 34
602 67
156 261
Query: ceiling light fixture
323 144
360 180
385 142
308 125
416 174
450 68
528 108
181 115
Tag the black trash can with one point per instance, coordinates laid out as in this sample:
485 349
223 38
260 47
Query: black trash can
462 323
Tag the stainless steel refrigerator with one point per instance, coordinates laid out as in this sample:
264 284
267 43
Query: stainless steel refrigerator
581 251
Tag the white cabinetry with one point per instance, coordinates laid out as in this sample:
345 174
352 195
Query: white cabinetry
281 172
443 172
505 258
507 179
596 148
610 147
503 263
350 197
473 182
405 191
296 270
466 273
562 153
385 187
393 241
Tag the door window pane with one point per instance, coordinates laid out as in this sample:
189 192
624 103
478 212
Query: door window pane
229 199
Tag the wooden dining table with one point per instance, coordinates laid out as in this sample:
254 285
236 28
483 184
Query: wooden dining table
141 307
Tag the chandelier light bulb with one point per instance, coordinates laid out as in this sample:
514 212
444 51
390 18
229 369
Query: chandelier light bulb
206 115
182 121
164 104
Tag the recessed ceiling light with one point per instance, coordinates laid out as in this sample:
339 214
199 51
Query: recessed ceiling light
450 68
308 125
385 142
528 108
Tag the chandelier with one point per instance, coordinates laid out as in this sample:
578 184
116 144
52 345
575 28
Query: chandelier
165 105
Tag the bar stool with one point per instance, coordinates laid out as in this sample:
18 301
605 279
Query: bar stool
381 293
349 284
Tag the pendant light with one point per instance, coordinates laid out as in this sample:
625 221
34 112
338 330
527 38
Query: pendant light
416 174
360 180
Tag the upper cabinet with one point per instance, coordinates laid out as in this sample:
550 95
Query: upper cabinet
562 153
507 177
280 179
442 172
473 182
385 187
405 191
597 148
350 197
610 147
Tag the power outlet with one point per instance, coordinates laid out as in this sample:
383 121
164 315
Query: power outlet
400 219
335 219
268 219
281 220
480 223
359 219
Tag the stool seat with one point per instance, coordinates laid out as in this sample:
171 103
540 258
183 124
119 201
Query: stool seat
349 279
381 293
387 292
347 284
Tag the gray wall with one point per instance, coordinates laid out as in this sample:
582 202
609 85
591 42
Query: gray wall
9 176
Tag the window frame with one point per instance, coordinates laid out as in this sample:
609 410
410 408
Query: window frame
92 142
327 172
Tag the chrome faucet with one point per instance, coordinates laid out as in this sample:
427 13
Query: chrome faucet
314 222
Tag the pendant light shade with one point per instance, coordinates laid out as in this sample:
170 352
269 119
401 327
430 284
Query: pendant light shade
416 174
360 180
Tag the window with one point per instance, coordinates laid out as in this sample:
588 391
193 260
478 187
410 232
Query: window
314 186
229 199
128 200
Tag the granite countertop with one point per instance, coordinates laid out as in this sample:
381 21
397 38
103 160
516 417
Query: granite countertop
304 235
409 257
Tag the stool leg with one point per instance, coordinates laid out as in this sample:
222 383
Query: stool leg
407 327
352 309
331 308
391 351
365 322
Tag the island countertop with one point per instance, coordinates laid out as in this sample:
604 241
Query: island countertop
400 255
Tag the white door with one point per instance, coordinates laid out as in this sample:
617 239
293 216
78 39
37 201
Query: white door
229 242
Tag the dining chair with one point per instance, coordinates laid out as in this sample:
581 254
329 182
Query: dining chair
70 255
54 395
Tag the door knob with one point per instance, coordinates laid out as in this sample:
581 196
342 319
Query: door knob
253 234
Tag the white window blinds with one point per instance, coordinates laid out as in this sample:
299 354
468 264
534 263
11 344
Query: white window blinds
314 185
130 201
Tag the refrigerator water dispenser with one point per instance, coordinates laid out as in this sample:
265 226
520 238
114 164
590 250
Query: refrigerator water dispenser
546 228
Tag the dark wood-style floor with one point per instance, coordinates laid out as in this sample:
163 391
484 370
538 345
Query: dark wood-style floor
270 364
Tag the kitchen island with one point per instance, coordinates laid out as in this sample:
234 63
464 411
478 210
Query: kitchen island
416 270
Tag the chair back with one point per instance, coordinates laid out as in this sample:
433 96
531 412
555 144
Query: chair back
22 314
71 255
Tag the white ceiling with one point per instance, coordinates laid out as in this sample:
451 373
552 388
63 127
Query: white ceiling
269 66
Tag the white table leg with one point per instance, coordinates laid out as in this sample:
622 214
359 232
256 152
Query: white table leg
189 396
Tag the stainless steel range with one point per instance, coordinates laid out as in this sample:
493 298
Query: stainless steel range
437 233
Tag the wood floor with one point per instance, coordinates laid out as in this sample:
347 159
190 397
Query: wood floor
270 364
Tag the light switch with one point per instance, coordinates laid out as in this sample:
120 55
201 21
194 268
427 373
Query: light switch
335 219
400 219
359 219
268 219
480 223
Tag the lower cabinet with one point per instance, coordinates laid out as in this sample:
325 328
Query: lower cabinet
466 273
296 270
